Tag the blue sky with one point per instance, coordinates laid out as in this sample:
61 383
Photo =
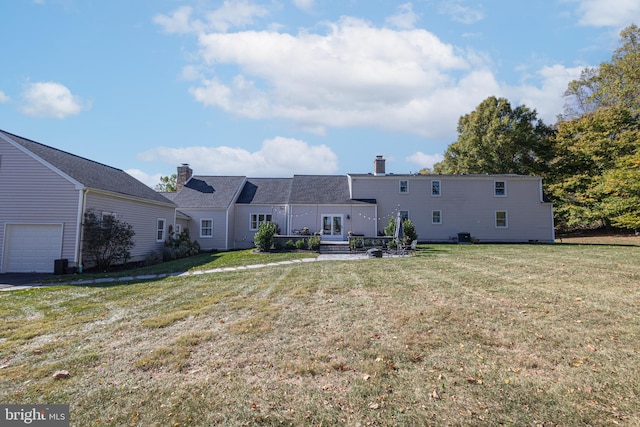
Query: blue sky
283 87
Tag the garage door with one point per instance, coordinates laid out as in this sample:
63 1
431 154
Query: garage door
32 247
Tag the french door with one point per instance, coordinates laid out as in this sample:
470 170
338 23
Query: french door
332 227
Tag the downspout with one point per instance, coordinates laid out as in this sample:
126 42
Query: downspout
82 205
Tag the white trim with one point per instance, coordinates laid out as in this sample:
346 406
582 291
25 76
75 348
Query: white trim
506 219
439 216
495 192
200 228
164 229
439 188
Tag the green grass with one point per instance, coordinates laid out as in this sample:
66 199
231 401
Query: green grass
200 262
520 335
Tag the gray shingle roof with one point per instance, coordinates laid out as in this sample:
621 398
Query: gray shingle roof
267 191
323 190
89 173
216 192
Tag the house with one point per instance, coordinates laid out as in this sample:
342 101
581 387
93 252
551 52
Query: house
44 193
225 212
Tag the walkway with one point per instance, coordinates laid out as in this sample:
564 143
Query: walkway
17 284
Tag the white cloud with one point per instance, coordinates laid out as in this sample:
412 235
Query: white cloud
422 160
277 157
50 99
304 4
355 74
145 178
605 13
461 13
232 14
4 98
405 18
546 94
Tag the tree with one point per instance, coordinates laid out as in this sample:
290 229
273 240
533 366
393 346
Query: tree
596 169
106 240
167 183
615 83
498 139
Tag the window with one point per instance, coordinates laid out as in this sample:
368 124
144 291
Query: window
160 230
500 188
178 228
404 215
257 219
436 217
108 215
404 186
435 188
206 228
501 219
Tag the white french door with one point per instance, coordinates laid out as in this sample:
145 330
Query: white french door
332 227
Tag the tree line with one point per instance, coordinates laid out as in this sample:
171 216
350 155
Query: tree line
589 159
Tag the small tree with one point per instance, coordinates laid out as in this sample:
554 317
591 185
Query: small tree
263 239
408 229
106 240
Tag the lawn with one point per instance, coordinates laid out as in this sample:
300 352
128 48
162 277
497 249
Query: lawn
521 335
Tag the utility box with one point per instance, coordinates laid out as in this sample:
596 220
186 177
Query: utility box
464 237
60 266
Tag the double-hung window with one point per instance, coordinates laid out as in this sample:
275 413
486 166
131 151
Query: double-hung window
500 188
435 188
160 225
501 219
257 219
404 186
436 217
206 228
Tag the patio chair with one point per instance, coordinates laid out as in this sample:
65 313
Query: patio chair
414 246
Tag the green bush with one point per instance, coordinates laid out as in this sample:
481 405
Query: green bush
179 245
301 244
263 239
313 243
289 244
106 240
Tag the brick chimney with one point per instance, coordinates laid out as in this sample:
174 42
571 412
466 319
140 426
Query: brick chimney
378 166
184 173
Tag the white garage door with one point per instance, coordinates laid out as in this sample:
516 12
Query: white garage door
32 247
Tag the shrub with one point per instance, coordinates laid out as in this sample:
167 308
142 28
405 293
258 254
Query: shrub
179 246
300 244
289 244
408 229
106 240
263 239
313 243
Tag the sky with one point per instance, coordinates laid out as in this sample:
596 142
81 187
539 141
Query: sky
273 88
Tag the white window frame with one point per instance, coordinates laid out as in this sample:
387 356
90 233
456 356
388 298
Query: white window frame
104 214
433 213
202 229
500 221
178 228
406 187
404 215
439 186
160 232
255 219
503 191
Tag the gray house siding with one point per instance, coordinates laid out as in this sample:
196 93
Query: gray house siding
243 233
31 193
141 215
466 204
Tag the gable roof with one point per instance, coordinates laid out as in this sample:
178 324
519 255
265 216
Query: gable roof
87 172
323 190
217 192
267 191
